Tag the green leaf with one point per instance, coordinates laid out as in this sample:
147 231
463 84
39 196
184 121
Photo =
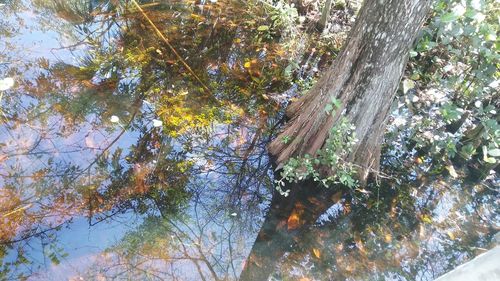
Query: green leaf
471 13
467 151
449 17
408 85
263 28
486 158
494 152
490 160
450 112
329 108
336 102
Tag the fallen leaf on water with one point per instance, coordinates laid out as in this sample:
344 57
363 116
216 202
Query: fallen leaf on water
426 219
388 238
316 253
157 123
114 119
419 160
293 221
6 83
452 171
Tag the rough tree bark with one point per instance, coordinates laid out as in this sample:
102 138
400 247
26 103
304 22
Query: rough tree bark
364 78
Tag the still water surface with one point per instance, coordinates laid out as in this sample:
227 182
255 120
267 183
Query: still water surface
120 162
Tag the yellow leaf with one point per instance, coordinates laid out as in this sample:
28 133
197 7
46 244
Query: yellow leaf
427 219
293 221
451 235
247 64
388 238
316 253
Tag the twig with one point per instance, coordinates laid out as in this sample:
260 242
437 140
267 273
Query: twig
160 34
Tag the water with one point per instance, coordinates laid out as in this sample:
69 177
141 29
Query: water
119 162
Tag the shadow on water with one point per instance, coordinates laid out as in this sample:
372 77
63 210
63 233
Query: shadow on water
117 163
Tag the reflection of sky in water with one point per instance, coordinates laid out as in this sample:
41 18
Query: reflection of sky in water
219 217
32 41
80 240
84 244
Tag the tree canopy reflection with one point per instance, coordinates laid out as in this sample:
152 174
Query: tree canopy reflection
63 157
194 189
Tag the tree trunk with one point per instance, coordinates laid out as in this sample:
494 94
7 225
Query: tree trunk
364 78
286 221
325 14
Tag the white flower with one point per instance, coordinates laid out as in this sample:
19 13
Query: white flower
234 214
6 83
157 123
478 104
114 119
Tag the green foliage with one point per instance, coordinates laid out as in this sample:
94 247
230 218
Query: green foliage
284 17
283 21
455 69
451 112
331 157
286 139
332 106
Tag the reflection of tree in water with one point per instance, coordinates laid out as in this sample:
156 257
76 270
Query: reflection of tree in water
415 230
64 159
210 236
